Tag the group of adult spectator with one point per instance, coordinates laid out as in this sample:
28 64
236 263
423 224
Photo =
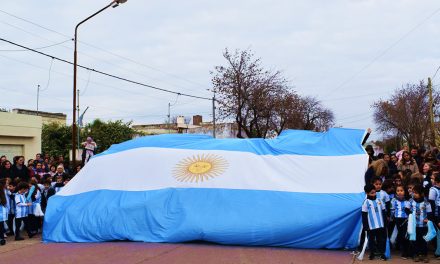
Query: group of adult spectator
406 165
43 165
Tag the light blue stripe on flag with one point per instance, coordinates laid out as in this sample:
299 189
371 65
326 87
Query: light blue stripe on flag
335 142
240 217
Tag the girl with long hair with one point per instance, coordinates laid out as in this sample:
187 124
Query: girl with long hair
407 163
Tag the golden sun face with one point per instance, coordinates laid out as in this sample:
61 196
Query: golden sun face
199 168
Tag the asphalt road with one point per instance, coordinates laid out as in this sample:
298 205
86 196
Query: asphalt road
34 251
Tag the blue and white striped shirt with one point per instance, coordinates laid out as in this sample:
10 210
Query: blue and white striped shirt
8 203
421 211
34 203
382 195
374 209
3 214
398 208
21 209
434 195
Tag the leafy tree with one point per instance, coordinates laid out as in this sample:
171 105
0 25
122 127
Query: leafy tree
56 139
108 133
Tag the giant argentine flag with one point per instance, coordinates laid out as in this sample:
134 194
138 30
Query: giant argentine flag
302 189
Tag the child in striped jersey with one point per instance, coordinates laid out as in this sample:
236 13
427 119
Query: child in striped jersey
34 219
11 215
3 213
21 210
389 189
423 213
410 187
374 221
400 209
434 200
381 194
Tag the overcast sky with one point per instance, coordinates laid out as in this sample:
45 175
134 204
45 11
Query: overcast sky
348 53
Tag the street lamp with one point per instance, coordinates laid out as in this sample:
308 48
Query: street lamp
113 3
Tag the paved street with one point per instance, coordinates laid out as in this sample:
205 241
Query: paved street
131 252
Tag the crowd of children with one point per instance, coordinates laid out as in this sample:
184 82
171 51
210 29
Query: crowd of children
401 189
25 191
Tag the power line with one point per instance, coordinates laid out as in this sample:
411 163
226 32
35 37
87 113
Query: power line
99 48
131 71
149 115
104 73
94 82
380 55
354 121
88 80
44 47
355 116
436 72
63 99
33 33
98 106
87 85
48 79
351 97
33 23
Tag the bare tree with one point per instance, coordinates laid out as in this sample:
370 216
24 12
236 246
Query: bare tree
314 116
260 102
187 120
406 113
246 92
173 120
286 111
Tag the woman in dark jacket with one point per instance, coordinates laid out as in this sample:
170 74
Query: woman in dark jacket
6 170
19 170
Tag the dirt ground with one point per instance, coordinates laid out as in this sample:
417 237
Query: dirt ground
34 251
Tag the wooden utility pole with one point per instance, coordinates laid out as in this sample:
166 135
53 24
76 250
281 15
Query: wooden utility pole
213 116
431 114
38 98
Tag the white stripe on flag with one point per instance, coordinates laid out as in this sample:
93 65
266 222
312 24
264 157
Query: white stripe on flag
144 169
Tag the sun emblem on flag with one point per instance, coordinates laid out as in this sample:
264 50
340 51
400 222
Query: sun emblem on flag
199 168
